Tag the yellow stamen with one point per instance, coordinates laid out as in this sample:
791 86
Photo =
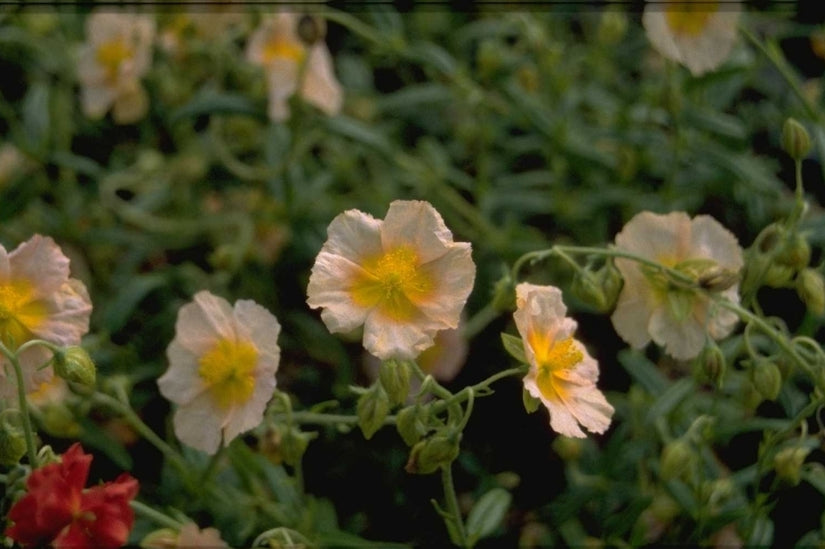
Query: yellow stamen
553 357
278 48
689 18
110 55
227 368
394 282
20 312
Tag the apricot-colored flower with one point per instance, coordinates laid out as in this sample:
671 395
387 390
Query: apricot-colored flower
58 511
188 537
292 65
695 33
403 278
562 374
116 55
649 307
38 300
222 365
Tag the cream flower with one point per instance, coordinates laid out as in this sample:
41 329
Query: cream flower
38 300
695 33
403 278
189 537
116 55
676 318
222 365
286 59
562 374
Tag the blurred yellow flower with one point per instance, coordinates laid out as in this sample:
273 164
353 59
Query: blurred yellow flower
403 278
695 33
293 65
562 374
222 364
116 55
38 300
648 308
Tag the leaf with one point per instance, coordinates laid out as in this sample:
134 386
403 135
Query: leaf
36 118
514 347
488 513
349 127
670 399
643 371
214 102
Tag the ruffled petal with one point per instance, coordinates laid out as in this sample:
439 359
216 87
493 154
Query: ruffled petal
417 224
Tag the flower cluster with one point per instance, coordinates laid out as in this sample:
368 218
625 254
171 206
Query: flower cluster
58 511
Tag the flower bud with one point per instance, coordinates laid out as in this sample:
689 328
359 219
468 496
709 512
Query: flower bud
718 279
12 438
411 423
788 462
165 538
433 452
373 407
598 289
767 379
795 139
712 363
74 364
395 379
795 252
568 448
811 289
778 275
676 459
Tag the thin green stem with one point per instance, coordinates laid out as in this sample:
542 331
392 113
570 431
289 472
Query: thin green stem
452 504
28 431
479 321
212 466
154 515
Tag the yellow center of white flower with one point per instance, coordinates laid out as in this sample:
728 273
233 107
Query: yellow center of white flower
110 55
552 357
279 48
689 18
227 368
20 313
394 282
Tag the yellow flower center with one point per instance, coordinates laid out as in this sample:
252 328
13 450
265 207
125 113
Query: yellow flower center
278 48
394 282
553 357
689 18
110 55
20 313
228 370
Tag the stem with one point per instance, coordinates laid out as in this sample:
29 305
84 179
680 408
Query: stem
207 474
155 515
28 431
479 321
452 504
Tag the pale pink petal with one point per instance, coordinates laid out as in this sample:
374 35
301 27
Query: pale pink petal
387 339
67 317
588 405
354 235
682 340
282 82
250 414
31 360
191 537
561 420
131 104
202 322
181 383
257 324
711 240
417 224
656 236
96 100
198 424
632 315
453 274
42 263
5 266
327 288
320 86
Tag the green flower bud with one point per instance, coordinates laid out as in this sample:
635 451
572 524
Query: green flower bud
74 364
12 438
676 459
294 443
795 139
778 275
411 423
165 538
395 379
810 286
568 448
373 407
433 452
788 462
712 363
795 252
598 289
767 379
718 279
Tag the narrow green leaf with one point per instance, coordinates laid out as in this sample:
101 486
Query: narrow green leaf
643 371
514 347
488 513
670 399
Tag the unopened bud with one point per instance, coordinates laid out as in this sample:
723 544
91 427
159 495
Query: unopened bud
676 458
767 379
598 289
431 453
795 139
795 252
712 363
373 407
395 379
568 448
810 286
165 538
788 463
411 423
778 275
74 364
12 438
718 279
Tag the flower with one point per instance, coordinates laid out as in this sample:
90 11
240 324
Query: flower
403 278
695 33
292 65
38 300
189 537
648 307
222 364
56 510
562 374
116 55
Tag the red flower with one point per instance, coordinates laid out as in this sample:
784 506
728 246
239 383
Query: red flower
56 509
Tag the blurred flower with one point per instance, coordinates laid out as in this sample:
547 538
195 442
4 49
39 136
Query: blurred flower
562 374
695 33
116 55
222 365
206 22
189 537
403 278
12 163
649 307
292 65
38 300
56 510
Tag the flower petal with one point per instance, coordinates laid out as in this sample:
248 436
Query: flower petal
417 224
